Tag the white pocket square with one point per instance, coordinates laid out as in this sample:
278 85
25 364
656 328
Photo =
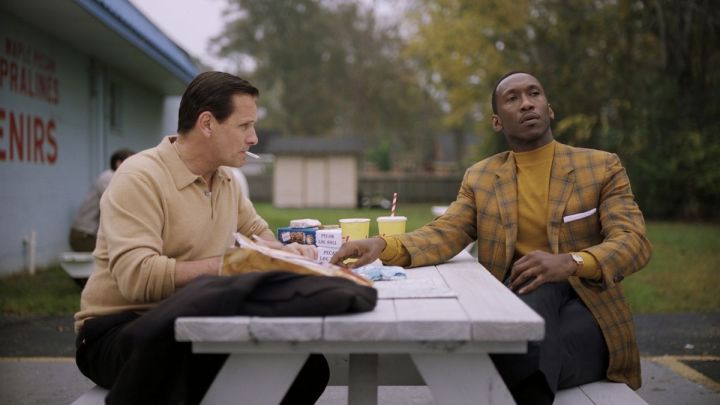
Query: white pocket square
579 215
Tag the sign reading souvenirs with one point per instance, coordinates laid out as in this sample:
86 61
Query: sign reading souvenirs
28 72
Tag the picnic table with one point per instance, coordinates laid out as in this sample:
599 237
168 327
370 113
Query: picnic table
445 319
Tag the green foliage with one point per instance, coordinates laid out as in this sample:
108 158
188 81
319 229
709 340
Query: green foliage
459 45
381 156
329 68
635 77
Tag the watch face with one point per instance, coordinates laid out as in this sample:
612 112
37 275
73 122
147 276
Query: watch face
578 259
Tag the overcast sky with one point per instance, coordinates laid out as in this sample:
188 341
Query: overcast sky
189 23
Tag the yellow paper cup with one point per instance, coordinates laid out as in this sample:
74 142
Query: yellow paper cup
354 228
391 225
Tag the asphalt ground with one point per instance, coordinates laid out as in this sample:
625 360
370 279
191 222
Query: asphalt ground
680 362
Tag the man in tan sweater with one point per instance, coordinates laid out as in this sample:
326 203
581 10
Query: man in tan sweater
167 218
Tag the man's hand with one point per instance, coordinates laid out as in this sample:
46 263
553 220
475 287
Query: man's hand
365 251
309 251
538 268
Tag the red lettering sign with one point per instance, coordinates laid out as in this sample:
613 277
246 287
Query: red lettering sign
32 138
29 72
2 134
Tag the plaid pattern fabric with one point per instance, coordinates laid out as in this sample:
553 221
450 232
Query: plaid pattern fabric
581 179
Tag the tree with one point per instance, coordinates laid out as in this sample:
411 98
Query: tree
634 77
328 68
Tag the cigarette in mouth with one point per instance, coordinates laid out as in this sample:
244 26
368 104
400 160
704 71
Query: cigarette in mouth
252 155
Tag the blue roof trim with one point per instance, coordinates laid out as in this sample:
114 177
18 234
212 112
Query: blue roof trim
128 22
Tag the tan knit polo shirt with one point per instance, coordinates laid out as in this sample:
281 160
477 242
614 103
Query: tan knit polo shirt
154 212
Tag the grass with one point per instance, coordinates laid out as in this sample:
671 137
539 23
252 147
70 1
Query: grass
683 273
682 276
49 292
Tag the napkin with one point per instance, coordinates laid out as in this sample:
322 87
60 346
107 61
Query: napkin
378 272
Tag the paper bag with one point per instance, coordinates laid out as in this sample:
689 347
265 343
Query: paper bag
251 257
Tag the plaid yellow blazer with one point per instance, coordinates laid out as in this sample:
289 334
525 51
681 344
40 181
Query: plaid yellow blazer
581 179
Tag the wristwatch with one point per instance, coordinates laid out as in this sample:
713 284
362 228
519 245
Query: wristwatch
578 260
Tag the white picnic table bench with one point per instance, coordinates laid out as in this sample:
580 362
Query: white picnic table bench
435 328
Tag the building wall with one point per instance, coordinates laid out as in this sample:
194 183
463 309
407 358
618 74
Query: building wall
315 181
289 182
342 182
62 114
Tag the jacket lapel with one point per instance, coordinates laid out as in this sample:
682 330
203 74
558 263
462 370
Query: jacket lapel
562 182
506 194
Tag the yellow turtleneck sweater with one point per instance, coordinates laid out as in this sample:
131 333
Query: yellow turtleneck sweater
533 182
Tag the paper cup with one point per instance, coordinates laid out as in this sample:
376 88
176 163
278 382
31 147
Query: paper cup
354 228
391 225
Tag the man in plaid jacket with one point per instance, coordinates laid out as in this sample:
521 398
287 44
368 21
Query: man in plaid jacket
557 224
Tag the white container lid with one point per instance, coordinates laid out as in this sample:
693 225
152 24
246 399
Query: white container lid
353 220
396 218
304 223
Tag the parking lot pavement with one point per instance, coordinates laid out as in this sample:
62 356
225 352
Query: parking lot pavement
40 381
680 363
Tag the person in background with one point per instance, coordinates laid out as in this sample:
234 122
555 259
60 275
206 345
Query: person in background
166 221
83 232
559 226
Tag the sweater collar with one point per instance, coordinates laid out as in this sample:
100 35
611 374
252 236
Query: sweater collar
542 154
182 176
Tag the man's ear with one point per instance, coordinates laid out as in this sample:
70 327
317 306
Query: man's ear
551 113
497 123
204 122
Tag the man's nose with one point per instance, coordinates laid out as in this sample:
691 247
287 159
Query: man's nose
526 103
252 138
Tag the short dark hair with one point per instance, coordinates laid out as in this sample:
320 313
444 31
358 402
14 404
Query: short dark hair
120 155
211 91
493 99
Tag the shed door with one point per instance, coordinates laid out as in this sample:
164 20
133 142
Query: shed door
289 182
342 182
319 182
316 180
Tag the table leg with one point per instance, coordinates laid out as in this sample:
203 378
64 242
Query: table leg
363 379
462 379
254 379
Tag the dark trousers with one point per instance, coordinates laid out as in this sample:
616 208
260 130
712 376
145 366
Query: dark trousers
137 358
572 353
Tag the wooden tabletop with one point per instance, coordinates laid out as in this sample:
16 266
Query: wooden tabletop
457 303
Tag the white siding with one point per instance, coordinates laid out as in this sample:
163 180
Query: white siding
315 181
343 182
288 182
316 175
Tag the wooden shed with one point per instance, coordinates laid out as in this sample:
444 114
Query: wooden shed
315 172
